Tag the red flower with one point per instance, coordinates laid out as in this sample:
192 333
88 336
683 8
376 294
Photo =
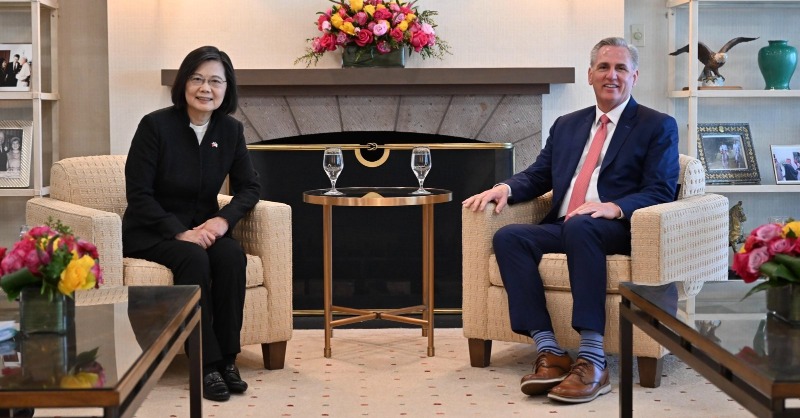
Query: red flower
364 37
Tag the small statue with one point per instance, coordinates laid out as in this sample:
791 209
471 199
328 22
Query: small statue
736 218
710 75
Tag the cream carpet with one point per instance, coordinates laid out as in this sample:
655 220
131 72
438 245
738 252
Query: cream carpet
385 373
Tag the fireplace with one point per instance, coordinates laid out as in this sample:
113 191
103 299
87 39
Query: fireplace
480 124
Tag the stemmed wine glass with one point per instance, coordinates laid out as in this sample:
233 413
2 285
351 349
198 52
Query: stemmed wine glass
421 164
333 164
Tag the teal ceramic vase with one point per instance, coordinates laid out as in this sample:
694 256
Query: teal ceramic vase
355 56
777 63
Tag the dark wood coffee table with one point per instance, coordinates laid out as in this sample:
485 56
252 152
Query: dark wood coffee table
750 355
137 331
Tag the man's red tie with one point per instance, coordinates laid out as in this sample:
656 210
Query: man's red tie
582 181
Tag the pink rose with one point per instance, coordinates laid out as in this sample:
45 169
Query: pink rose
428 29
2 256
383 47
419 40
382 14
780 246
342 12
398 18
328 42
322 19
316 46
380 28
396 34
394 7
766 233
747 265
86 247
364 37
361 18
342 38
405 9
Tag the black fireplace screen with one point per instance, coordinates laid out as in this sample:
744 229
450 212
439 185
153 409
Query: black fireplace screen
377 251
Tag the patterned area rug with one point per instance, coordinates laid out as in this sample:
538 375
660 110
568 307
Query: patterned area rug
385 373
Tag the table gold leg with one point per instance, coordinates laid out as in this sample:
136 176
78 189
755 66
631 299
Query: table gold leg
427 266
327 267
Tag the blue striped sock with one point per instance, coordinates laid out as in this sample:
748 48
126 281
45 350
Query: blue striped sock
591 348
546 341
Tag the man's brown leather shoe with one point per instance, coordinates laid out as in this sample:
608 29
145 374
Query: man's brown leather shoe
584 383
548 370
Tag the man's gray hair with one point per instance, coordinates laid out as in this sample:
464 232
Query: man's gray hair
613 41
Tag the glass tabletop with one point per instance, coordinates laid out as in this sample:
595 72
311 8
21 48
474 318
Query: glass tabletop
741 327
113 327
377 196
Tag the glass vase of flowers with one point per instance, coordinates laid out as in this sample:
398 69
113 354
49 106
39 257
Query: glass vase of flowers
43 269
365 30
772 251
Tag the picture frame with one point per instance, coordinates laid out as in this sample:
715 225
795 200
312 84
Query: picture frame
786 163
726 151
16 166
8 79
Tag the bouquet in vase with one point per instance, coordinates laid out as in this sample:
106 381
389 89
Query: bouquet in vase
771 251
379 26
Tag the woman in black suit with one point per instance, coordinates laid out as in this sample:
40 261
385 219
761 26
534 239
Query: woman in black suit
177 163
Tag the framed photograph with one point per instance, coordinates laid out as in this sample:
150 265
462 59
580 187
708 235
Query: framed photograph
726 151
15 67
786 163
15 153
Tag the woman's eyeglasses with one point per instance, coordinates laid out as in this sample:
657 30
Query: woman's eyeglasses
214 82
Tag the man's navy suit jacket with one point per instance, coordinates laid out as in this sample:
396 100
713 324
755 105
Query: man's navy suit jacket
640 167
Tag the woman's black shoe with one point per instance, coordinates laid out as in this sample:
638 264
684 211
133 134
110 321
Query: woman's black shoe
214 387
232 378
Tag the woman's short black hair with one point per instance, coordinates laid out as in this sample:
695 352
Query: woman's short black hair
189 66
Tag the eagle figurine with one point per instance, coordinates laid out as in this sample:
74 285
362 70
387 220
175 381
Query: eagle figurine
713 60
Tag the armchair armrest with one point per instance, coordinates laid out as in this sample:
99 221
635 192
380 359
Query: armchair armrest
477 231
685 240
266 232
103 229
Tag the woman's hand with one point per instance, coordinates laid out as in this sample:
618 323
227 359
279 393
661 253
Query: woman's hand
217 226
197 236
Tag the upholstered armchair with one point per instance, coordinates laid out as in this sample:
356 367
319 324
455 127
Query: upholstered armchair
88 194
684 241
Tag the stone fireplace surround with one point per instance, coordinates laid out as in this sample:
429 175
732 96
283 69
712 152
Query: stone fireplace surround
501 105
487 105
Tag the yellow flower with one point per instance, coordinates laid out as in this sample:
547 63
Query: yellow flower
77 275
81 380
380 6
410 17
370 9
336 21
356 5
792 226
403 26
348 28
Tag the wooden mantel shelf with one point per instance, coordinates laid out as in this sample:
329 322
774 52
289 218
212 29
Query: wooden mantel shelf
395 81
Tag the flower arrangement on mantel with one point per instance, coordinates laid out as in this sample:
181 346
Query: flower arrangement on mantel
51 257
384 25
772 251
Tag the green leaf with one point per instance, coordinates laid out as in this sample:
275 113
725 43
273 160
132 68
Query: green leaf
777 270
792 263
13 283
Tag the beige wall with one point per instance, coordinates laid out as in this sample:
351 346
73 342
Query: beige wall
148 35
83 78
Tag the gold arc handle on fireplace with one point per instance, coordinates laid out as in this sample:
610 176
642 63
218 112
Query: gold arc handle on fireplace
372 164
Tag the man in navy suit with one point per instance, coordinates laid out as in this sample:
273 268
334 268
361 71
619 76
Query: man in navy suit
636 166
